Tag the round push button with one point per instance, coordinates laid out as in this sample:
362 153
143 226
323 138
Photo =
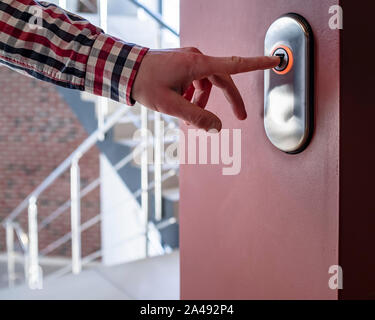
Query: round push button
286 57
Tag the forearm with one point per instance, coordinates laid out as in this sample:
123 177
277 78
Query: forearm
48 43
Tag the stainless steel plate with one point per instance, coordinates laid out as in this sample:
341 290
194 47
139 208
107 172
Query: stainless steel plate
288 95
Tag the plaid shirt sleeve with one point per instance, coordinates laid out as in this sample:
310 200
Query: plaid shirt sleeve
44 41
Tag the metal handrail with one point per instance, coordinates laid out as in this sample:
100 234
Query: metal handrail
65 238
89 223
85 191
69 162
33 272
22 236
156 17
85 146
97 254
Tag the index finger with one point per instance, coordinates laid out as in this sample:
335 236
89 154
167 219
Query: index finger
232 65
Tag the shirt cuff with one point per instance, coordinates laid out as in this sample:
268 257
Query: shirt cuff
111 68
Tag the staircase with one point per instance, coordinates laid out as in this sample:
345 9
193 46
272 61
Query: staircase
149 189
119 142
149 279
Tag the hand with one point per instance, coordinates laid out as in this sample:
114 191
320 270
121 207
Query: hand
178 82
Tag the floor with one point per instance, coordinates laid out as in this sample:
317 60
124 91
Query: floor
153 278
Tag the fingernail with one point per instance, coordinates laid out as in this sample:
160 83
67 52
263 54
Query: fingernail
216 125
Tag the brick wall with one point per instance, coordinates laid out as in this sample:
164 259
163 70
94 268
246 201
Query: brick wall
37 132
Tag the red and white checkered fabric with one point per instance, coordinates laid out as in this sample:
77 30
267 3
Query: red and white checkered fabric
46 42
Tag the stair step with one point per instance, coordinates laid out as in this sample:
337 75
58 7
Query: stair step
135 142
165 166
172 194
155 278
129 118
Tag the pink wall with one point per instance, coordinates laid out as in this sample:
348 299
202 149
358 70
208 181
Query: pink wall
272 230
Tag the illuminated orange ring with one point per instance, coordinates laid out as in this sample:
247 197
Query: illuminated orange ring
290 62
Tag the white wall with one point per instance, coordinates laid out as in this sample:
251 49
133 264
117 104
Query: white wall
122 221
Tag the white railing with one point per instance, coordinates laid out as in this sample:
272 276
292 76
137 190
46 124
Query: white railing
29 240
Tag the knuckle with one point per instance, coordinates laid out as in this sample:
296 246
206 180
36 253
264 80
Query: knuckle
233 59
236 62
194 61
193 50
194 58
236 59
